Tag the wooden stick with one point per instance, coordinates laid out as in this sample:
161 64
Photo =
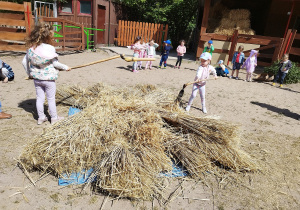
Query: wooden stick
99 61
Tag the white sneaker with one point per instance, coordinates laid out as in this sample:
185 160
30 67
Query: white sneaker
204 110
230 77
54 120
236 78
187 108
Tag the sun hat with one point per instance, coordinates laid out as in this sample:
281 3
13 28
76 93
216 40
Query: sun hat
220 62
210 42
205 56
168 42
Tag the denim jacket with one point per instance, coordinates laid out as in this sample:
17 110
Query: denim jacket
242 57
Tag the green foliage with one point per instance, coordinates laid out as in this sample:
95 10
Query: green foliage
293 75
180 15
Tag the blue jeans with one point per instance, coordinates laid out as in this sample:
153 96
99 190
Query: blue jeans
164 59
280 75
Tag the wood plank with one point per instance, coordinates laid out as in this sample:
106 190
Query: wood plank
12 36
233 45
155 32
151 31
263 48
15 48
28 17
291 41
160 41
255 41
259 37
11 22
221 51
166 32
134 31
72 32
12 29
11 6
297 36
260 63
285 41
295 51
275 56
123 33
12 16
204 23
118 33
68 44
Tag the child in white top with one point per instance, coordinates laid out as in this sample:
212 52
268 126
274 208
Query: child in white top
202 74
151 52
136 47
181 50
41 64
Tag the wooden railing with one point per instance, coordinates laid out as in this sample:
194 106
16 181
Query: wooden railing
15 27
265 42
67 38
129 30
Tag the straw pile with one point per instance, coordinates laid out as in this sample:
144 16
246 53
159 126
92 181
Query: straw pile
237 19
128 136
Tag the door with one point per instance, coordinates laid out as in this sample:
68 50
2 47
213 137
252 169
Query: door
100 24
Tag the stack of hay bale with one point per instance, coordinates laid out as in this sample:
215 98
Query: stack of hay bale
237 19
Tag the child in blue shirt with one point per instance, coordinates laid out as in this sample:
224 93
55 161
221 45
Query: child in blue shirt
6 72
165 53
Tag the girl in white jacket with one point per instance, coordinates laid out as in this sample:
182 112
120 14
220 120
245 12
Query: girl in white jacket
41 64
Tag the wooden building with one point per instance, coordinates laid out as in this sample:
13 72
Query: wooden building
272 20
100 14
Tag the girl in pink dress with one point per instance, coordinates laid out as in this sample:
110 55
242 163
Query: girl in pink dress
181 50
250 65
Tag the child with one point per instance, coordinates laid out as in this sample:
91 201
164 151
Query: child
136 47
6 72
4 115
202 74
250 65
151 52
237 61
181 49
165 53
142 54
210 48
41 64
284 66
221 69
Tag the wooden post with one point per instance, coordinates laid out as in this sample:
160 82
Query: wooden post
204 25
233 45
291 41
28 17
277 51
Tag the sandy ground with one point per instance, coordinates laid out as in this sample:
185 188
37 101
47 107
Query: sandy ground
268 117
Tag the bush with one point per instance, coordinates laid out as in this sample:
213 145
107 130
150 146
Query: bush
293 75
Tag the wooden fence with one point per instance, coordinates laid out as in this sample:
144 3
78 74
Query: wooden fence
129 30
68 35
15 27
271 45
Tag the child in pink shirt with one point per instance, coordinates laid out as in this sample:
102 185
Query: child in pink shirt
181 49
202 74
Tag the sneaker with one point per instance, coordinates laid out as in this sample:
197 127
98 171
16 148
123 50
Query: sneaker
178 67
273 84
165 67
135 71
150 68
236 78
55 120
175 67
204 110
159 67
281 85
230 77
187 108
41 121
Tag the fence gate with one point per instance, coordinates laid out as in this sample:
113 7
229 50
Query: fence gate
44 9
129 30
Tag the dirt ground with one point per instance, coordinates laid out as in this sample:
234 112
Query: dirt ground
268 117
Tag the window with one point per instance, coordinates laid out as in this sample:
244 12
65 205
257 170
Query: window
66 7
85 7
